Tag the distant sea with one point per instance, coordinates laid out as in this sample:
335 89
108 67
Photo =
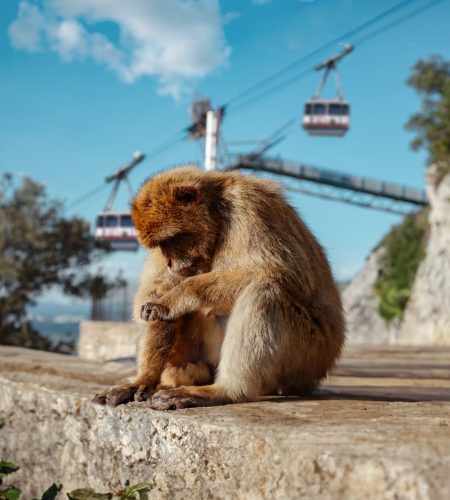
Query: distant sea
59 322
67 331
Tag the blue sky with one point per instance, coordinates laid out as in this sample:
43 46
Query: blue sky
85 83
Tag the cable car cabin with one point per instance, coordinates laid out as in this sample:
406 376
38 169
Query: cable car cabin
117 228
326 117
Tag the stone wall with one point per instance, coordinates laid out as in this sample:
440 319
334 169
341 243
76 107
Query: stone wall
379 429
108 340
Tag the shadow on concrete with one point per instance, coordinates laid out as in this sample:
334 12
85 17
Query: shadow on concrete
399 394
394 370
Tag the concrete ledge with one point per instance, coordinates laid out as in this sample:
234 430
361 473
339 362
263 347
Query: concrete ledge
380 429
108 340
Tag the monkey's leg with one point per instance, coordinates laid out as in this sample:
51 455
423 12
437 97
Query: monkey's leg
255 352
154 349
190 361
188 373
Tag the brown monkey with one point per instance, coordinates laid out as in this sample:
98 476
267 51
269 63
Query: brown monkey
171 353
246 268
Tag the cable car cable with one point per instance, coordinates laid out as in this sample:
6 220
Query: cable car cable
406 17
323 47
275 88
86 196
310 69
171 140
154 152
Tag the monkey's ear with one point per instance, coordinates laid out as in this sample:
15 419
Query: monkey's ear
185 194
136 216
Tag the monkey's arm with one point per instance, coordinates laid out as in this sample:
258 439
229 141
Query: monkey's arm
155 282
216 290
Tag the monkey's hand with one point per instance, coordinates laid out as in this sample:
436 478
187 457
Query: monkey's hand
213 292
164 304
155 311
157 291
173 304
152 297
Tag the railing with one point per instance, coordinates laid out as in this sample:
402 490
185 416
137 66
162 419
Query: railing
342 182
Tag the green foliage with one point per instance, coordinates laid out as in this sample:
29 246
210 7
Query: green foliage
39 248
431 78
2 422
405 249
9 493
95 287
136 492
51 493
7 468
88 494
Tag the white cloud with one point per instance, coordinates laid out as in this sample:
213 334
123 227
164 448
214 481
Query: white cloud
231 16
38 318
175 40
68 318
260 2
26 31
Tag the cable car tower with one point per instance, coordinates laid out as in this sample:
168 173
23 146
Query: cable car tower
206 123
328 117
116 227
199 111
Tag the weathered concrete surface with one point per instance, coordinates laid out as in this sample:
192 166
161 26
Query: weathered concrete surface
108 340
380 429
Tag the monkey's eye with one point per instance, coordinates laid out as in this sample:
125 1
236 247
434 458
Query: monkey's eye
187 198
177 241
185 194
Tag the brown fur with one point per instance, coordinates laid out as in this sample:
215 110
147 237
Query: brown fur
171 353
232 268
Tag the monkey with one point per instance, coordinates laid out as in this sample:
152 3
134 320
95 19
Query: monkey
240 277
167 357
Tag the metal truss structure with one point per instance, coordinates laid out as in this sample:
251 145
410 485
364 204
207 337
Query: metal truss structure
332 185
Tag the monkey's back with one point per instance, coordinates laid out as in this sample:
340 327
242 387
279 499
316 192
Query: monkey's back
266 232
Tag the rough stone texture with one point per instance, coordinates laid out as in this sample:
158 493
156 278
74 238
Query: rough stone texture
379 429
108 340
427 316
364 324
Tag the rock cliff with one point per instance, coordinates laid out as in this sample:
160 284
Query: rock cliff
426 318
364 323
427 315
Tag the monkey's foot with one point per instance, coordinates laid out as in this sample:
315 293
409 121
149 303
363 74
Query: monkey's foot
186 397
144 392
122 394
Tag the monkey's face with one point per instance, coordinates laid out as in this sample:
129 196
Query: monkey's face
182 256
172 212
